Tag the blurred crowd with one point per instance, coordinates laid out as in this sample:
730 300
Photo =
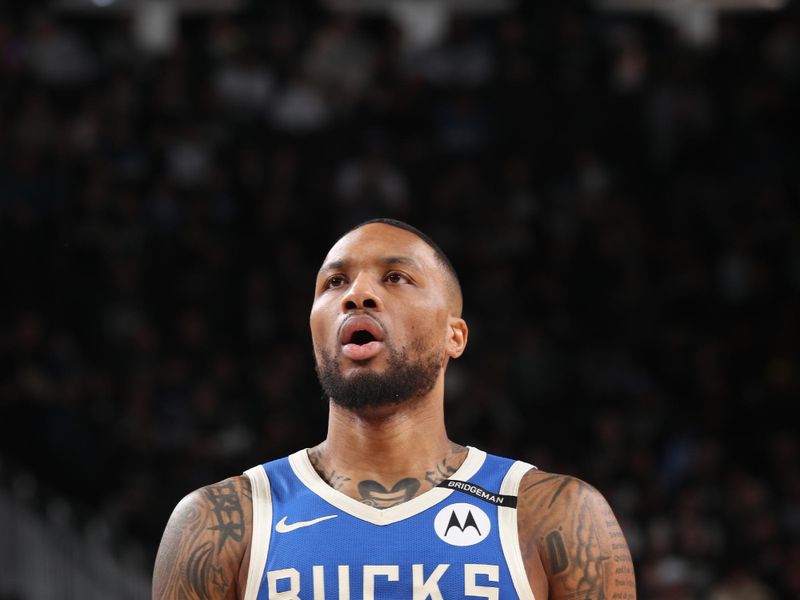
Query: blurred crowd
622 209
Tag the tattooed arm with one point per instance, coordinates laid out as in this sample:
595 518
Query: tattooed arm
571 542
205 547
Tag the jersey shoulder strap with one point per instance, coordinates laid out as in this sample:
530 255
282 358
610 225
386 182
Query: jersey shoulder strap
260 530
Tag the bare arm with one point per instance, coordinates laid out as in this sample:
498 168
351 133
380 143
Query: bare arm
203 549
569 534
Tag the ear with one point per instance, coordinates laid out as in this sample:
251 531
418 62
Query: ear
457 334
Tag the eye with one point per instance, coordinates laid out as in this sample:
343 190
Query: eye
334 281
396 277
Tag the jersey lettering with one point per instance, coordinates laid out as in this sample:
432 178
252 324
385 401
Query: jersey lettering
427 588
391 572
273 577
344 582
284 584
319 582
471 588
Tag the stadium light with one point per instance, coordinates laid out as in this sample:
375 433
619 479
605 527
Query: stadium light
696 20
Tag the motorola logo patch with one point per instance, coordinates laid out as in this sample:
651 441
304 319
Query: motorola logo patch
462 524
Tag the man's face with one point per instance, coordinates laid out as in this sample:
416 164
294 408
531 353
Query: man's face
381 318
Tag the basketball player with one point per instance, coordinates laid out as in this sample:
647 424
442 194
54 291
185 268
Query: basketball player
387 507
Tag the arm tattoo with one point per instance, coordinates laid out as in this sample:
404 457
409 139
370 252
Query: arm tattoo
227 513
588 557
624 577
203 545
578 539
204 578
557 553
560 489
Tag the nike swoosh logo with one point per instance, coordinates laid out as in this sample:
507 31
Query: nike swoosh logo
282 527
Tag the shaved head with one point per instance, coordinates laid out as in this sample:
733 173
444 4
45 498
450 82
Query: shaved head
450 276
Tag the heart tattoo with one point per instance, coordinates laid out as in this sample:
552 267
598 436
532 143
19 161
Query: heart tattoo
374 494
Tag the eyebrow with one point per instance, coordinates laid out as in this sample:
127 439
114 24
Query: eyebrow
338 265
334 265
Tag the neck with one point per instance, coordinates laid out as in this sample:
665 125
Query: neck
386 440
384 456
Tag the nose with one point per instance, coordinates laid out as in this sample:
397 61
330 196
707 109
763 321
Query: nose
361 295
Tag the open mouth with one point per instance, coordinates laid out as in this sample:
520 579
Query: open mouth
361 330
361 337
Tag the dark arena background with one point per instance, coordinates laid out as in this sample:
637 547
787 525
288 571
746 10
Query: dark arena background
617 183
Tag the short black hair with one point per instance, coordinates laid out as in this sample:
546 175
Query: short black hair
438 252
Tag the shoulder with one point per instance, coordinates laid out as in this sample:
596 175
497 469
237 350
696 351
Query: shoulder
568 530
224 506
549 503
553 490
206 541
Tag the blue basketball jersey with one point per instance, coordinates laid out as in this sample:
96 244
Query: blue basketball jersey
457 540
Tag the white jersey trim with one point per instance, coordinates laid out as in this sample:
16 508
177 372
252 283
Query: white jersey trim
262 528
509 534
302 467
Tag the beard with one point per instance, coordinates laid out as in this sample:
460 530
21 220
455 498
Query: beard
404 379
